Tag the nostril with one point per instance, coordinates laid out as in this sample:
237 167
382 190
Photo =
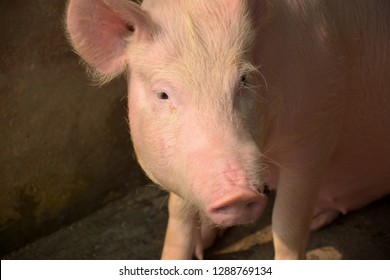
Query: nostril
223 210
238 207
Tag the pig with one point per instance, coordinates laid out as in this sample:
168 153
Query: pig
229 99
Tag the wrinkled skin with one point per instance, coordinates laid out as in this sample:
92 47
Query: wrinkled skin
228 98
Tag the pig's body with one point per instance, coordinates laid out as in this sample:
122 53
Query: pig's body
328 60
314 124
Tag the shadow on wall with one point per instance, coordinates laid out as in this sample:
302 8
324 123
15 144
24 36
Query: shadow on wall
65 145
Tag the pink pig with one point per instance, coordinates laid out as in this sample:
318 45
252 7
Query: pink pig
228 98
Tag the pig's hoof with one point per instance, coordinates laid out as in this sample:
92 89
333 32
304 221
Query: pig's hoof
323 218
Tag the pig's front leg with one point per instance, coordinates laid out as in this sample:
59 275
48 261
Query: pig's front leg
293 212
181 233
185 236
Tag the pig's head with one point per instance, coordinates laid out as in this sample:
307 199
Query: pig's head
192 108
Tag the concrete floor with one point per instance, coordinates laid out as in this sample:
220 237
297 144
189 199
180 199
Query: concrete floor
133 228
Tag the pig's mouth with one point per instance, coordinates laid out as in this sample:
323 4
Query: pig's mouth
242 206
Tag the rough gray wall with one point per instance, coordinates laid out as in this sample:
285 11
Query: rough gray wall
65 149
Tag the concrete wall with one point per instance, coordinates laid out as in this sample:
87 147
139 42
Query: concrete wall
65 149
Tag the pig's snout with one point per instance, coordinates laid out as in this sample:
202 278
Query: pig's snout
240 207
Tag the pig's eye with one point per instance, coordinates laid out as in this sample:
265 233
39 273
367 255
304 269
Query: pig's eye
162 95
244 80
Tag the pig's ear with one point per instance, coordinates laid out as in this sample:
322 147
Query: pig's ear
100 30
